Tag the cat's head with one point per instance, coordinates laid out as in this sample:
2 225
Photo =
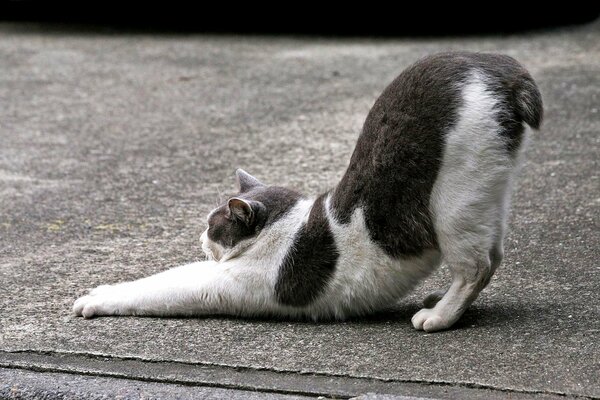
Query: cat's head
236 225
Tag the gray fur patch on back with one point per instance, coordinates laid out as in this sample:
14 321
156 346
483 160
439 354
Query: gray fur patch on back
398 155
399 152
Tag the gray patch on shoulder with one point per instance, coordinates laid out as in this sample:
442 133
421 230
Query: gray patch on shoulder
310 262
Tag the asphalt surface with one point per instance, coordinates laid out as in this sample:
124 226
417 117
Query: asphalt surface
114 147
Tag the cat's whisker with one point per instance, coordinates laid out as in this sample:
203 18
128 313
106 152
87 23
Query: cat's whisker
220 198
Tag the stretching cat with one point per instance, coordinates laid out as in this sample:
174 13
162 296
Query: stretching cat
429 182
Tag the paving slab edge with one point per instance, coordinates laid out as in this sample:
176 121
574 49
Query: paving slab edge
241 369
25 384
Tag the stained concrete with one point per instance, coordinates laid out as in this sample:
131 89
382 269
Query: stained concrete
113 148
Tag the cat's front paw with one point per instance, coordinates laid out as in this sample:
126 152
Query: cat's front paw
81 304
100 301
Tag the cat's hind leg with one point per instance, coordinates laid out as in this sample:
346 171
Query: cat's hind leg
469 276
470 231
433 298
469 200
496 254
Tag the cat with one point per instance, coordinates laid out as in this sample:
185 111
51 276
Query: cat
429 182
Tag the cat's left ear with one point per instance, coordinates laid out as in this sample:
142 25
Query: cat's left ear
244 210
245 181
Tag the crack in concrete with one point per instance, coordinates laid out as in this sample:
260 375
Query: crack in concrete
164 381
106 358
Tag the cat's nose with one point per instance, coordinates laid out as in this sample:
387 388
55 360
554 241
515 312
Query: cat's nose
203 237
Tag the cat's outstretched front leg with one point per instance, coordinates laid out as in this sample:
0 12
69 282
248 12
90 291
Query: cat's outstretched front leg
195 289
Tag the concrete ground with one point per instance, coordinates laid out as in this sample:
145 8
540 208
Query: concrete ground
114 147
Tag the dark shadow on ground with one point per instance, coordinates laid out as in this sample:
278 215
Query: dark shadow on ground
476 317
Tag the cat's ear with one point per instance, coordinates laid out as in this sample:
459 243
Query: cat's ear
243 210
245 181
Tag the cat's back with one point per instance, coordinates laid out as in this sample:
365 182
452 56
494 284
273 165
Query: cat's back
404 140
424 102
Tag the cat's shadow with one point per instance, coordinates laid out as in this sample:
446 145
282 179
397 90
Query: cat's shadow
476 317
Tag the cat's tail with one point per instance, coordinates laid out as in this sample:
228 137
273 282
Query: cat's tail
529 102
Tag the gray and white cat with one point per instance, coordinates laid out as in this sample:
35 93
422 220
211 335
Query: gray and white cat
429 182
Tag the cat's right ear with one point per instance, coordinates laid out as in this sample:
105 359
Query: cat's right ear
246 211
245 181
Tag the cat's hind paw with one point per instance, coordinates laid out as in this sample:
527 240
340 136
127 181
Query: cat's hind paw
429 320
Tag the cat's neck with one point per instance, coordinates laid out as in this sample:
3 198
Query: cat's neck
274 242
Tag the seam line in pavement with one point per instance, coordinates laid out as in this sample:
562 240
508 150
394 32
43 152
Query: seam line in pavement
116 375
163 381
237 368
